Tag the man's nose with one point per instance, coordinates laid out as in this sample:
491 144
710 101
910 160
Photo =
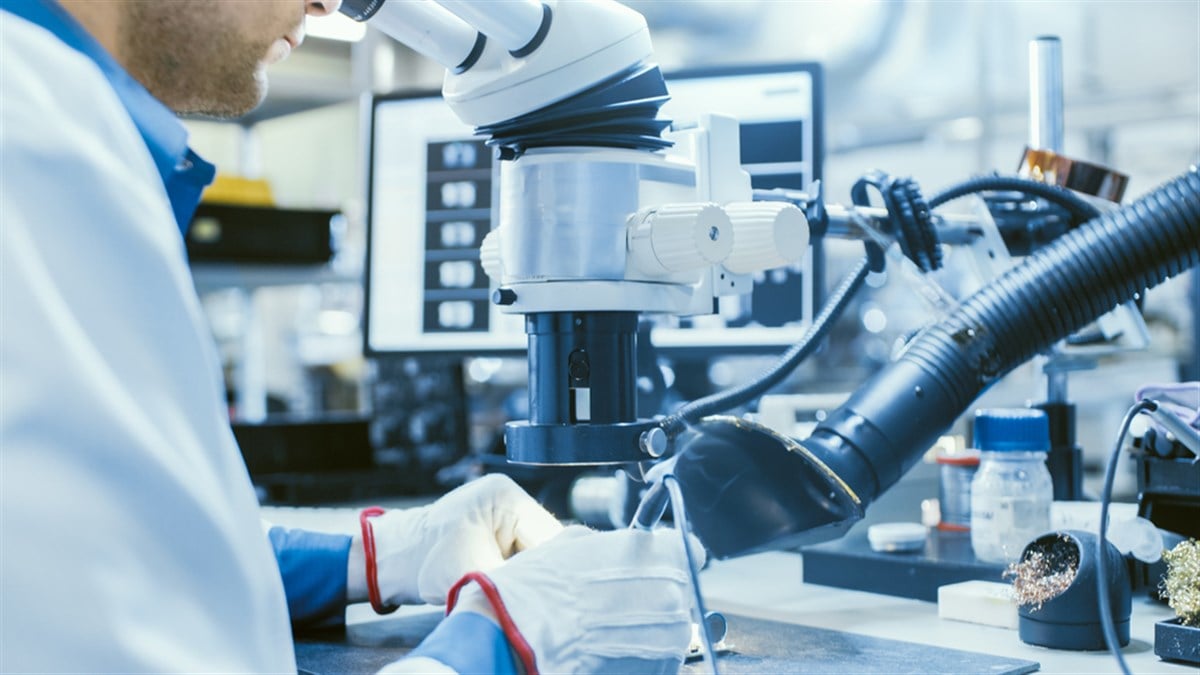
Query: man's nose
322 7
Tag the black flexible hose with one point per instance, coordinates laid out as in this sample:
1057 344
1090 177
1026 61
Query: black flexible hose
1080 208
889 422
675 423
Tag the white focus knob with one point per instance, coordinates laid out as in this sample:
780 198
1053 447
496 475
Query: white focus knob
489 256
679 237
765 235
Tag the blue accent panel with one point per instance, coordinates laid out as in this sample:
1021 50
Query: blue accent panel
183 172
469 643
313 567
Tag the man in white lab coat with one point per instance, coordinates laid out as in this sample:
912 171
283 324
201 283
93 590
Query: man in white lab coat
131 540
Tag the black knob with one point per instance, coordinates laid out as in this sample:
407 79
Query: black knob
504 296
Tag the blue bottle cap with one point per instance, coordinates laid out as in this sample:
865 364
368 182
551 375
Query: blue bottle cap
1012 429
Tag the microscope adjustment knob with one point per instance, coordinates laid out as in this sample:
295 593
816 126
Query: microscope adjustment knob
679 238
653 442
504 296
766 235
489 256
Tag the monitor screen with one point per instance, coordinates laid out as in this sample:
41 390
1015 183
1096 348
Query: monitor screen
432 186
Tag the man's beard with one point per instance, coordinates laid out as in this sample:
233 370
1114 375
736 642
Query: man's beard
189 64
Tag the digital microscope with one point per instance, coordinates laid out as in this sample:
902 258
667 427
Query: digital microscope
606 212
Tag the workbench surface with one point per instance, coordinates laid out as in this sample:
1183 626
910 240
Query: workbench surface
770 586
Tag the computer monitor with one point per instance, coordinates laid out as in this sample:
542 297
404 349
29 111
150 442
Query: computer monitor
432 186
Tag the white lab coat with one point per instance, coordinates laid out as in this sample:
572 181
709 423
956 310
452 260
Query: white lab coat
130 533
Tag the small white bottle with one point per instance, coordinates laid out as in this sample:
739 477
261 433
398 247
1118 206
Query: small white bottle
1012 491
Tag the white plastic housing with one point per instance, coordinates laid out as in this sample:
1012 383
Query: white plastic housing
606 229
679 238
512 23
765 235
588 42
428 28
489 255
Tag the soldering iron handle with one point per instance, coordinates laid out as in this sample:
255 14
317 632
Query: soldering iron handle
1186 435
651 508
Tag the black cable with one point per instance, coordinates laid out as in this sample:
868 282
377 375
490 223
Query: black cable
909 217
1081 209
675 423
1106 619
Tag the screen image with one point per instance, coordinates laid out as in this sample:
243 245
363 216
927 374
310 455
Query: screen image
433 185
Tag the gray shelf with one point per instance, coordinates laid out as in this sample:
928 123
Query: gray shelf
217 276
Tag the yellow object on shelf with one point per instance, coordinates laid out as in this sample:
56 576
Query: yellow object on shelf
239 191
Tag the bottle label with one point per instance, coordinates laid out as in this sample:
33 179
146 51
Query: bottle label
1004 525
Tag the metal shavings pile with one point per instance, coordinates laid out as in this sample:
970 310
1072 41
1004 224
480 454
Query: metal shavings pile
1044 572
1181 586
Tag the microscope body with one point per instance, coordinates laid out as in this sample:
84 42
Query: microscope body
603 217
589 239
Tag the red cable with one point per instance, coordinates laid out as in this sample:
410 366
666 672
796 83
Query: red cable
368 539
517 641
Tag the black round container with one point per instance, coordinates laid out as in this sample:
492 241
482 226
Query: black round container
1071 620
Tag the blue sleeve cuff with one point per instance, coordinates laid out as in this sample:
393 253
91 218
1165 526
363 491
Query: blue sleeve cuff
313 566
469 643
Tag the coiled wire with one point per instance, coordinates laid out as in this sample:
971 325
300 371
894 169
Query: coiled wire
910 217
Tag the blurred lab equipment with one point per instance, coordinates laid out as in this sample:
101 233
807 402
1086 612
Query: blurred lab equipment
1012 491
956 470
1168 458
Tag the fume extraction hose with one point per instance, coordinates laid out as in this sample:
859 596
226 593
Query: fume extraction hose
889 422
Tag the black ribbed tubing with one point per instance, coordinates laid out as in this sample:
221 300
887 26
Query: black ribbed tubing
885 427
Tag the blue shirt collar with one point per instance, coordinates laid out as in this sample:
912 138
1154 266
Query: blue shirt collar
184 173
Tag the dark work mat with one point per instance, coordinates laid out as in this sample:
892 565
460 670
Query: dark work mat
760 646
757 646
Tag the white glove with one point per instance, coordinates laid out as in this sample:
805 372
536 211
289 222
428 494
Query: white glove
597 601
421 552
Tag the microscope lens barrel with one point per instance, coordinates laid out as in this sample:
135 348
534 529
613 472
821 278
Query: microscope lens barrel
583 367
582 391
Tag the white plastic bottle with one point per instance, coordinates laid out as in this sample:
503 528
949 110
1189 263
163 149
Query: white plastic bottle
1012 491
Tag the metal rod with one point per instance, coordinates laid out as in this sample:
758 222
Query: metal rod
1046 94
851 222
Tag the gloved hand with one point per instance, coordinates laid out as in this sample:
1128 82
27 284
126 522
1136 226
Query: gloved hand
420 553
595 601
